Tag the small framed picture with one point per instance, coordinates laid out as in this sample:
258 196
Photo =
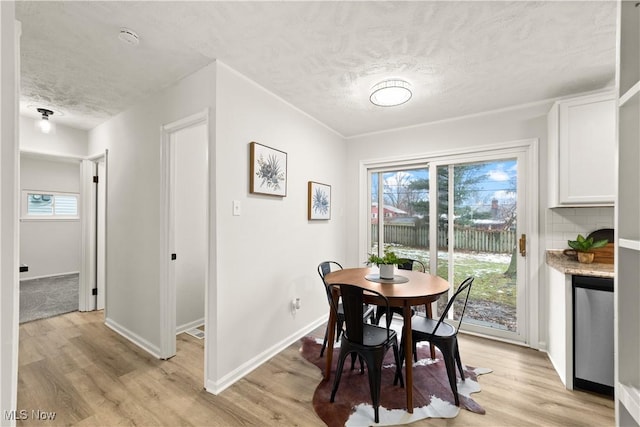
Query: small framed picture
319 206
268 170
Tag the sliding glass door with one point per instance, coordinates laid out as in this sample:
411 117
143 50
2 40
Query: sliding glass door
471 221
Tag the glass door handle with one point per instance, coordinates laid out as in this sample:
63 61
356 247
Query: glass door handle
523 244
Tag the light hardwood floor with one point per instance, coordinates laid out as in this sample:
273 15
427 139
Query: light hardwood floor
75 366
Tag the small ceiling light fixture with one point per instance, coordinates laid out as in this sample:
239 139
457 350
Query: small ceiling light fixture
129 37
390 93
44 124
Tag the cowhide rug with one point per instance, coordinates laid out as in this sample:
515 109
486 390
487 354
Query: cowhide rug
432 395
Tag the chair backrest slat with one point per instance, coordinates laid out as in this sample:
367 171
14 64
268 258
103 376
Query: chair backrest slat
408 264
464 288
353 306
352 303
324 268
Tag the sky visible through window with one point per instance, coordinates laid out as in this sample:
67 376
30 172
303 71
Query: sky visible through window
492 181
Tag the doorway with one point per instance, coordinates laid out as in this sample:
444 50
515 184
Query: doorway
184 234
49 233
189 200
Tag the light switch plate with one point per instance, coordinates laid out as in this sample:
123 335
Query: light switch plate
236 208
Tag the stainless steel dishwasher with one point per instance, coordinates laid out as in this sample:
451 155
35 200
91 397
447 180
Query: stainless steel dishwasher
593 345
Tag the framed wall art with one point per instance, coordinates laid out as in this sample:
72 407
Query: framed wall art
319 204
268 170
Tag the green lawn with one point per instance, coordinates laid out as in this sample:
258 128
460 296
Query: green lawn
490 283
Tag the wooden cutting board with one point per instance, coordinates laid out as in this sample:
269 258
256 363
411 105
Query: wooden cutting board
604 255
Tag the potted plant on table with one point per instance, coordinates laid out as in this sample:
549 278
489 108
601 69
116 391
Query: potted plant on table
385 263
583 247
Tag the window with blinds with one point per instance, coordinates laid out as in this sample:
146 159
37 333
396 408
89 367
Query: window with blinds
50 205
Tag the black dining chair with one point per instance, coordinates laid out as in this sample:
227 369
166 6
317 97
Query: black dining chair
412 264
370 342
407 264
443 335
325 268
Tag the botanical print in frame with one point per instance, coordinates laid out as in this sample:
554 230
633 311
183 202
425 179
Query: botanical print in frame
319 206
268 173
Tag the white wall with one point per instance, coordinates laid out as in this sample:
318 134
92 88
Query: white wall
486 129
133 209
49 247
269 254
66 141
461 134
9 90
261 259
189 146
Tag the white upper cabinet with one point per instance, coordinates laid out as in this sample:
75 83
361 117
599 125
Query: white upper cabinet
582 151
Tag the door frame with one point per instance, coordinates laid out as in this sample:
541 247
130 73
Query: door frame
86 272
532 307
167 267
89 252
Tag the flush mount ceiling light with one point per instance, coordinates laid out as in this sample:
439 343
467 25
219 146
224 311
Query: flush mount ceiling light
44 124
390 93
129 37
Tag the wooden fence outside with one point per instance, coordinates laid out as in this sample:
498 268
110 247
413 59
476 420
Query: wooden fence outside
466 238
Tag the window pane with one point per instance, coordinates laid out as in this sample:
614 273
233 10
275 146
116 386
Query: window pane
40 204
66 205
375 221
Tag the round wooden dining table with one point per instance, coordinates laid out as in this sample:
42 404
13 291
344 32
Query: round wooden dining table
410 288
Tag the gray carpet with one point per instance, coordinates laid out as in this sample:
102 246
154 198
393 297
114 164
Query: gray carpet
48 297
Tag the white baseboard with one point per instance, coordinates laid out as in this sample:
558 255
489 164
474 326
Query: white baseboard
45 276
217 387
191 325
134 338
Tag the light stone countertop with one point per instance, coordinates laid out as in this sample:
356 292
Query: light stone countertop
569 265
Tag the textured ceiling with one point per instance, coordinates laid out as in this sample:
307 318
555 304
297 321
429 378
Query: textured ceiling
323 57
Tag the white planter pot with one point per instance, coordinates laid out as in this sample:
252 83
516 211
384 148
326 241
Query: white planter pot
386 271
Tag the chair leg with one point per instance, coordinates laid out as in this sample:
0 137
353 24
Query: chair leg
428 311
353 362
458 361
339 324
398 366
400 362
372 316
336 380
374 367
324 343
379 314
448 354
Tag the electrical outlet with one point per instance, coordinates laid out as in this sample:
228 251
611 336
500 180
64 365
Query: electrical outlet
295 305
